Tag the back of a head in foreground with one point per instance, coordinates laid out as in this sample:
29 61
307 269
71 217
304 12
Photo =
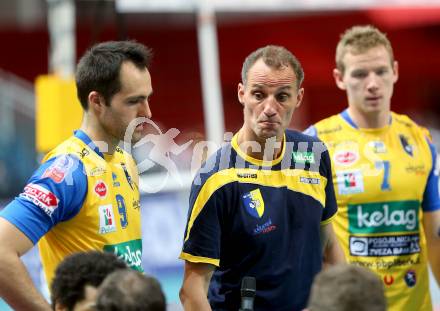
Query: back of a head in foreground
347 288
77 271
129 290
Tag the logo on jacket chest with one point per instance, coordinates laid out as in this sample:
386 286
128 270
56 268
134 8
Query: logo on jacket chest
253 203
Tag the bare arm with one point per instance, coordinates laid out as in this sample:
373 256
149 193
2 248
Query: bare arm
16 285
331 249
194 291
431 224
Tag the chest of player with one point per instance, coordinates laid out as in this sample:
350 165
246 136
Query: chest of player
387 167
112 202
262 214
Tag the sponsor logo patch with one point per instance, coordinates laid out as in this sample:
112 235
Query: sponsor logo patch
130 252
97 171
106 219
127 176
400 216
59 168
265 228
41 197
380 246
407 147
84 152
116 183
309 180
345 157
388 280
350 182
136 204
303 157
253 203
101 189
410 278
377 146
416 169
247 175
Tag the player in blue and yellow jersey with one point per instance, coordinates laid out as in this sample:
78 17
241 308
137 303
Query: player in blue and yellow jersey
385 175
262 205
85 194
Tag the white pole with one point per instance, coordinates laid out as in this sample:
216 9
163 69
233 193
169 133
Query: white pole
209 67
61 24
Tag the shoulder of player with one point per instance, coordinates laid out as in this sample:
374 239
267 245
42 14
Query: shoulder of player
407 123
328 125
220 160
298 137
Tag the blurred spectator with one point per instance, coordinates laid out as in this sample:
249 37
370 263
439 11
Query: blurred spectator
77 278
128 290
346 288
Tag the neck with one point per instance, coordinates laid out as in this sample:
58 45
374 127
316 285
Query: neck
105 143
260 148
369 121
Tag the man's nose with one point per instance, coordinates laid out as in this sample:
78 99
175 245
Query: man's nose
372 82
145 110
270 106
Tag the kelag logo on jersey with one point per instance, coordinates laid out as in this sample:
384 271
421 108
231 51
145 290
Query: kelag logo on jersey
303 157
130 252
400 216
253 203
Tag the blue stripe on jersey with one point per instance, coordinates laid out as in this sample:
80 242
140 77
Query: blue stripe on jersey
28 212
431 198
346 117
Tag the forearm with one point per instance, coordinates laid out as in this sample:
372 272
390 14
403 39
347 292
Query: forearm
333 254
16 285
332 251
194 300
434 261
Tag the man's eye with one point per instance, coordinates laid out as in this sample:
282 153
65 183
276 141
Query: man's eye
258 95
283 97
359 74
381 72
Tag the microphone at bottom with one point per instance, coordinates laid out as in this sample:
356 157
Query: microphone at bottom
248 289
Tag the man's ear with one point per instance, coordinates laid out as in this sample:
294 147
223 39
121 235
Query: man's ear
96 101
338 76
395 71
299 97
240 93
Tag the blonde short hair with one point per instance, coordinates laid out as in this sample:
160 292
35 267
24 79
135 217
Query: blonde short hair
359 39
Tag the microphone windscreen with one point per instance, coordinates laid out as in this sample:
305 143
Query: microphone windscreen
248 286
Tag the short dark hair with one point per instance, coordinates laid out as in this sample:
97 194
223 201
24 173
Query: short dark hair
347 287
276 57
78 270
130 290
98 69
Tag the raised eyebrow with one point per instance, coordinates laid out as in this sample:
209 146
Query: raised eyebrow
286 87
257 86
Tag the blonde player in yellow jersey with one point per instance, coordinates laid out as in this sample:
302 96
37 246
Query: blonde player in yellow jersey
384 172
84 196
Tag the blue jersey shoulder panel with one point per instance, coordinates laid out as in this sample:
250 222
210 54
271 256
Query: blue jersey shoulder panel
431 197
54 193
